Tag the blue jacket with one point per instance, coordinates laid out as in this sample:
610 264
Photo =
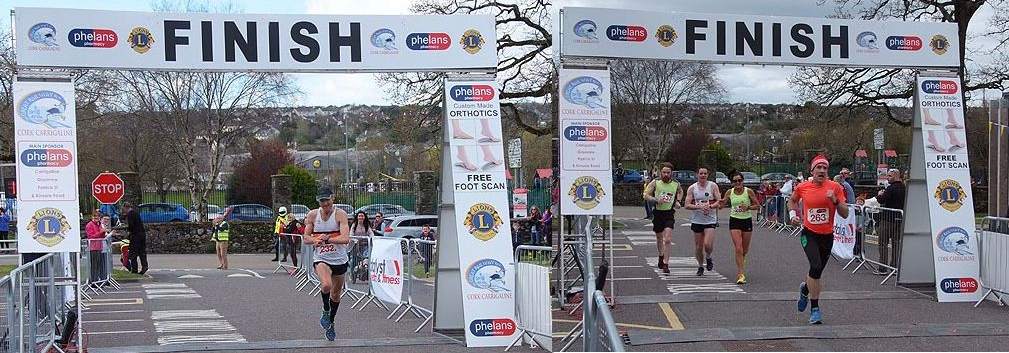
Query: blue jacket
5 221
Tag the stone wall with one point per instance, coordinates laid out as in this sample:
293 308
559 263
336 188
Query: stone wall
628 194
194 238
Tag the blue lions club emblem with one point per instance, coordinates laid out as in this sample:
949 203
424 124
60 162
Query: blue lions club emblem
586 91
586 192
483 221
49 226
44 108
487 274
950 195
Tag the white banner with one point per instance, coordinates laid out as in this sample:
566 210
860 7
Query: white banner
947 174
387 269
45 138
844 235
586 177
249 42
520 203
614 33
481 210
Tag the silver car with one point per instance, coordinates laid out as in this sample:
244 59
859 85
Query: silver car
388 210
409 226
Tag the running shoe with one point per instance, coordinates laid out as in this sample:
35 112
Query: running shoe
700 271
710 265
324 319
741 279
814 316
665 269
660 262
803 300
331 332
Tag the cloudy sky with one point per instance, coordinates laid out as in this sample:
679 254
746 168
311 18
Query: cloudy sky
750 84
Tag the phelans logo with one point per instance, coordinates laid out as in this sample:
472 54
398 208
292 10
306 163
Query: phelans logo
586 192
49 226
483 221
950 195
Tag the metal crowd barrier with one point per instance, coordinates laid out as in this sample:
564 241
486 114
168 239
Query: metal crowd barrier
884 226
38 296
606 337
281 246
360 246
993 238
414 246
773 214
96 271
532 295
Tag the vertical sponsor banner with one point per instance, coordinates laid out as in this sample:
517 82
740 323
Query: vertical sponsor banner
45 139
954 246
844 235
481 206
586 179
387 269
520 202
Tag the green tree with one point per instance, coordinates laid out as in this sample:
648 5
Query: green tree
303 184
714 155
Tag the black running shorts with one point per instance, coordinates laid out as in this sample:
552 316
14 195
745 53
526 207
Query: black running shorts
743 224
663 219
335 269
699 228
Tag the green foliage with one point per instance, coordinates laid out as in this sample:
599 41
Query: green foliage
303 184
715 155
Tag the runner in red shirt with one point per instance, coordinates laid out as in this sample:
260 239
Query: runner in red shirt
819 198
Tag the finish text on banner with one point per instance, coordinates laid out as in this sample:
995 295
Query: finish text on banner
45 138
481 212
246 42
955 249
586 179
387 269
613 33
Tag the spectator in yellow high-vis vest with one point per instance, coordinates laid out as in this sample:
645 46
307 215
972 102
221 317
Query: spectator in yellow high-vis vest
220 236
278 228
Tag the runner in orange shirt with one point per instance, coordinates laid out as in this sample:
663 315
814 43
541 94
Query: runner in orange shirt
820 198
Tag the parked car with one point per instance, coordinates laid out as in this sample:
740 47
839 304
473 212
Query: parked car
388 210
299 211
409 227
162 212
347 208
630 176
722 179
212 212
750 179
249 212
685 177
776 177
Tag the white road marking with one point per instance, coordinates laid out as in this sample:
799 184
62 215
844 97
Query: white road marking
254 273
109 332
199 325
190 276
170 291
684 268
217 338
116 320
164 285
679 288
208 323
113 312
173 296
239 275
185 314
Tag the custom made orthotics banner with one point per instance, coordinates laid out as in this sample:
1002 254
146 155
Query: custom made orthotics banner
586 177
947 175
45 139
387 269
720 38
77 38
481 212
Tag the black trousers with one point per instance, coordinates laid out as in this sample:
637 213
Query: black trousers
138 252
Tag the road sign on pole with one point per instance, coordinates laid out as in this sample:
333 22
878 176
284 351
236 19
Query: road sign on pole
107 188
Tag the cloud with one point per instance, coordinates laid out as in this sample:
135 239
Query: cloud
340 89
757 84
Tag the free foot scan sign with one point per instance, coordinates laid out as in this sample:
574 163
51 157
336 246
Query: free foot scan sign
107 188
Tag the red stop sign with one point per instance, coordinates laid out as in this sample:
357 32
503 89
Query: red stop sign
107 188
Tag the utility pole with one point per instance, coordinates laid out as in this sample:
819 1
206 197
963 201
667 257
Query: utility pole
346 147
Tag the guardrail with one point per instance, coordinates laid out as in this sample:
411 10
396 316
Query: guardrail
885 227
608 339
532 295
993 238
38 297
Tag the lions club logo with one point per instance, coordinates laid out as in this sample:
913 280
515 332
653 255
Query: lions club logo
954 240
141 40
939 44
487 274
666 35
586 192
471 41
950 195
45 108
483 221
48 226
